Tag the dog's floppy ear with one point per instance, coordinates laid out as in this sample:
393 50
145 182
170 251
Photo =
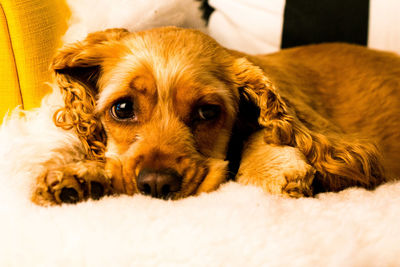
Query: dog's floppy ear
273 113
341 161
77 68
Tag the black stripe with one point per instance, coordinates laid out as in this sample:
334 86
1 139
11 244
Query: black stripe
206 9
318 21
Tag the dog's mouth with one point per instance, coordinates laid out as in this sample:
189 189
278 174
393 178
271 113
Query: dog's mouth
187 179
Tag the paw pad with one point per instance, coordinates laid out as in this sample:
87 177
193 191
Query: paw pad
96 190
69 195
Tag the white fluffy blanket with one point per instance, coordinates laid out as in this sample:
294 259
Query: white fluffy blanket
234 226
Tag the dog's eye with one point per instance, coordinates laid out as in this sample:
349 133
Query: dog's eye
208 112
123 110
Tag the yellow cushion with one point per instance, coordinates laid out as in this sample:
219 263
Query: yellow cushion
30 32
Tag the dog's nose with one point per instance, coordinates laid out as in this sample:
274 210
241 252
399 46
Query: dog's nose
160 183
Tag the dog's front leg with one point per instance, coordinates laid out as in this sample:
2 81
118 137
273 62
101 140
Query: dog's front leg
279 170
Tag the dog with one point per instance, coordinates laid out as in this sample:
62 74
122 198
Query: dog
170 113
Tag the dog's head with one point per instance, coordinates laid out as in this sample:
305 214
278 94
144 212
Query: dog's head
158 106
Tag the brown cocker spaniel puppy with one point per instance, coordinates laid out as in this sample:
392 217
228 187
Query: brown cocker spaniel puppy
170 113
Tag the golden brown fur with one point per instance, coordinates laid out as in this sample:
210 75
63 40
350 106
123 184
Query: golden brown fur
310 119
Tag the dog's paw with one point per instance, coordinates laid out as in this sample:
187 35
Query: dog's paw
294 183
299 182
72 183
280 170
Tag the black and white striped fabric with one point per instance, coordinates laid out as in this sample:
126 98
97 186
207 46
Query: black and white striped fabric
263 26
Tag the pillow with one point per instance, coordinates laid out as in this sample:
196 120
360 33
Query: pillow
89 16
257 26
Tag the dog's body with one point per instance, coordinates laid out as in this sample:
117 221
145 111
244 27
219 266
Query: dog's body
162 110
347 93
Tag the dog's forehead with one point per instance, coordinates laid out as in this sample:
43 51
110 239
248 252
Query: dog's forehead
167 67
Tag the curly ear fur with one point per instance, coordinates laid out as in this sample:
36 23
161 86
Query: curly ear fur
77 68
274 114
340 161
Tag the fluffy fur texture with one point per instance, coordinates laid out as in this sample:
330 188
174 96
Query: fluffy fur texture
137 103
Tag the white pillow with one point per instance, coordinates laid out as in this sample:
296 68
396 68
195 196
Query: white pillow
95 15
255 26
